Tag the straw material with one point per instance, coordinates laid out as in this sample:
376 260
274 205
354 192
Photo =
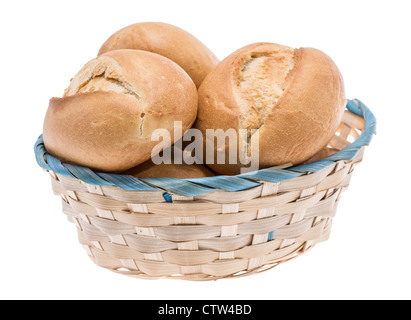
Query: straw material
214 235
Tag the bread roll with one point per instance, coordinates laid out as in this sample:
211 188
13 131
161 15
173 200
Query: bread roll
169 41
172 169
108 113
323 153
182 171
295 97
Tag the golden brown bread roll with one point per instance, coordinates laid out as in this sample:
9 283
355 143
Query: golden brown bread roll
295 97
175 166
323 153
111 108
169 41
182 171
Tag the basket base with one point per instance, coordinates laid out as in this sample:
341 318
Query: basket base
205 277
155 270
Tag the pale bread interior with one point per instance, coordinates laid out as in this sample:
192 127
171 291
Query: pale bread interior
262 82
101 74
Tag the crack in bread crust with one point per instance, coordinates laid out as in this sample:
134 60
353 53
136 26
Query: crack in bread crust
102 83
262 81
101 74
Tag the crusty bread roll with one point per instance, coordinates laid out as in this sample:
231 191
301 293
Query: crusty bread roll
169 41
172 169
107 116
182 171
295 97
323 153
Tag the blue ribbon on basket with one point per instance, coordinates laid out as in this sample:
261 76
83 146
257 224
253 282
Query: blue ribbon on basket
198 186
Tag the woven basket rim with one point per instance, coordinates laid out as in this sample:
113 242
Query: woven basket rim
198 186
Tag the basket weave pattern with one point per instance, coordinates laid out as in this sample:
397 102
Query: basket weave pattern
213 235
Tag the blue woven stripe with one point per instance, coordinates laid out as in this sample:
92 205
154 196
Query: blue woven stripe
227 183
271 175
168 197
57 167
40 152
178 186
87 175
352 107
126 182
270 236
194 187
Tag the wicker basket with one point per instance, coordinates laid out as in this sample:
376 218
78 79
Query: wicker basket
209 228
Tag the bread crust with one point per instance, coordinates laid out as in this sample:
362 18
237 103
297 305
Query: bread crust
111 131
301 122
181 171
323 153
169 41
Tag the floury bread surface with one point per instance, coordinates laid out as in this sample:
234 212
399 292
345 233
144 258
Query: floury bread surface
169 41
113 105
294 97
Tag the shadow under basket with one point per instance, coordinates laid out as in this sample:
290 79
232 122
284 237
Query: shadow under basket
209 228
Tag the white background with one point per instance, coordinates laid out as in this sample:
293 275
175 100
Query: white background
44 43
